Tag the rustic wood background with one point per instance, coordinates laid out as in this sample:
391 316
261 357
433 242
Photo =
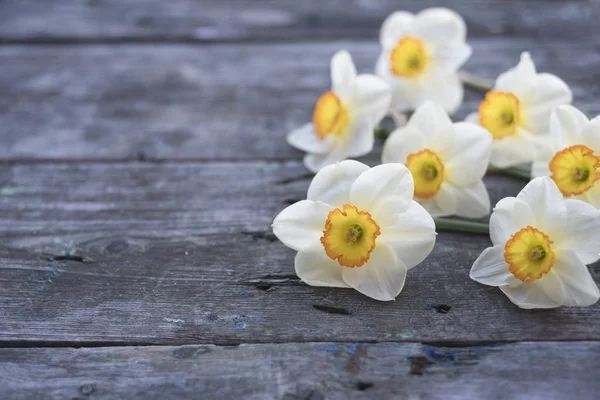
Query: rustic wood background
142 160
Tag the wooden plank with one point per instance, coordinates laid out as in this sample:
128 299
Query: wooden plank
546 370
207 102
215 20
181 253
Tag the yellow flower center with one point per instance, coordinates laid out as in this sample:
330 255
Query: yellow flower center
349 236
575 169
529 254
330 116
409 58
428 172
499 113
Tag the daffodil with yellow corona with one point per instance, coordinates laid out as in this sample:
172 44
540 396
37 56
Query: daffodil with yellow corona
421 56
344 117
447 162
517 112
571 155
359 228
542 243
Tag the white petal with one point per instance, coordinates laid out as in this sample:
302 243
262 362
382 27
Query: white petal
567 125
510 216
300 226
383 190
449 58
440 26
372 99
316 269
340 151
305 139
529 295
513 150
569 282
436 127
445 201
359 140
332 184
472 201
440 87
490 268
381 278
343 75
473 118
467 162
402 142
591 135
543 93
397 25
547 204
581 234
412 237
592 195
517 76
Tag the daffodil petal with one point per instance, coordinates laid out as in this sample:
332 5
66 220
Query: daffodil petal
513 150
490 268
412 236
467 162
472 201
397 25
305 139
442 88
590 135
517 76
445 202
451 57
529 295
343 75
372 98
359 141
433 123
316 269
332 184
592 195
581 233
547 204
300 226
567 125
384 190
510 216
570 283
543 93
440 26
381 278
402 142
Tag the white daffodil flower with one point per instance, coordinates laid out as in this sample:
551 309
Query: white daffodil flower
421 56
359 228
343 118
542 244
517 112
447 161
571 155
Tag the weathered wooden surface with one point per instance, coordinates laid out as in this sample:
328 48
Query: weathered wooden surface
221 102
183 253
316 371
243 20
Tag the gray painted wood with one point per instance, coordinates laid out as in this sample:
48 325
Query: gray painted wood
218 102
532 371
182 253
216 20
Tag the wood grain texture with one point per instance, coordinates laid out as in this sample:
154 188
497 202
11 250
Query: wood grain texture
315 371
208 102
182 253
216 20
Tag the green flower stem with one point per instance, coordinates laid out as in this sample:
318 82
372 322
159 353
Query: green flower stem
472 82
446 224
381 132
521 173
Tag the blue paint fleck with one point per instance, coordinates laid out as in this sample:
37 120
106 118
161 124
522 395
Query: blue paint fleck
352 348
246 294
239 322
331 347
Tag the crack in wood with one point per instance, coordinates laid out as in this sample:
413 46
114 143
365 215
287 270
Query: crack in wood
69 257
332 310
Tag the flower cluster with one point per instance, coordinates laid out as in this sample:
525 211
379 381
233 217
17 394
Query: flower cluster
364 228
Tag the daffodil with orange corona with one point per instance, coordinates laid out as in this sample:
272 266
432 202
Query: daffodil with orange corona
517 112
447 161
420 58
571 155
344 117
359 228
542 243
